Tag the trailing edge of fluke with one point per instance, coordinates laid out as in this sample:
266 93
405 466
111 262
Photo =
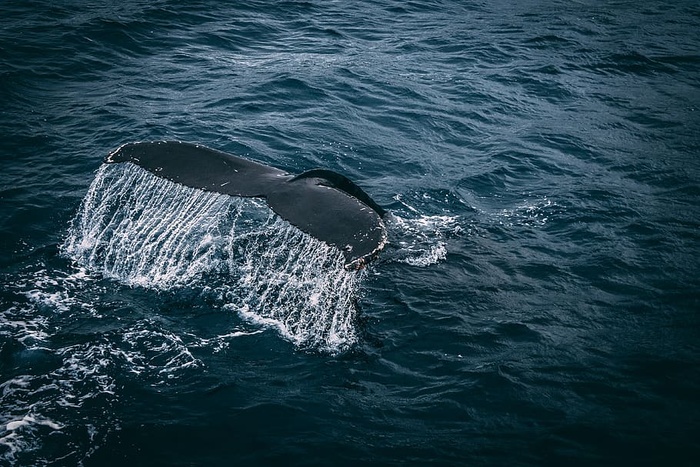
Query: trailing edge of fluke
322 203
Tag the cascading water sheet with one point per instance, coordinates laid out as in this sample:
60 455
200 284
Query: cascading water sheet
144 231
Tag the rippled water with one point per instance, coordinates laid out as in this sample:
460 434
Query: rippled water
537 303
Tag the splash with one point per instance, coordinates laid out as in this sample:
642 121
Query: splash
421 239
135 228
145 231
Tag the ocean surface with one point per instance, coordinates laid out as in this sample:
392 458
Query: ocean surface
538 301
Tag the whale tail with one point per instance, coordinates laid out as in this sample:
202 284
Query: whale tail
321 203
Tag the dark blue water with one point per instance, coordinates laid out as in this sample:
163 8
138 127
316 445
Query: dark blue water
538 301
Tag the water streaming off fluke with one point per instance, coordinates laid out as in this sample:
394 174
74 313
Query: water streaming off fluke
145 231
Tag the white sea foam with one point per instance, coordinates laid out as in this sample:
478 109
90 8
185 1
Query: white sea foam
82 376
530 212
25 326
15 437
29 420
35 405
156 353
421 240
221 341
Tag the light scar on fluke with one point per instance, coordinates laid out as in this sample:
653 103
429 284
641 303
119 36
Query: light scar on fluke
321 203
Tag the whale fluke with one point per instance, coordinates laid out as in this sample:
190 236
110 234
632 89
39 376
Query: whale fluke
322 203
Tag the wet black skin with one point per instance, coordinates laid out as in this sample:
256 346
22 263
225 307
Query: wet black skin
322 203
